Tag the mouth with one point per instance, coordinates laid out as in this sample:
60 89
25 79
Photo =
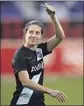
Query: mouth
33 41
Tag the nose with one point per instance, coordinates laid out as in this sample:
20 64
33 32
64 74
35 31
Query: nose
34 34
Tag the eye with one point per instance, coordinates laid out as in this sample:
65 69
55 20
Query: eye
31 31
37 33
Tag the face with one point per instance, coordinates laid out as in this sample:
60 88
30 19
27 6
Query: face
33 35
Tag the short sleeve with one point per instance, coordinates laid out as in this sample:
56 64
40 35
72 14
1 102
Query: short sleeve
19 62
43 46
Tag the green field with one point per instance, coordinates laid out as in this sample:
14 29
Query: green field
71 86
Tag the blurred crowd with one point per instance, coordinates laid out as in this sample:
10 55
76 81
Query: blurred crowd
14 14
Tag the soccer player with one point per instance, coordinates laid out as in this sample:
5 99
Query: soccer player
28 64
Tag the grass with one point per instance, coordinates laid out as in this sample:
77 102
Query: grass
71 86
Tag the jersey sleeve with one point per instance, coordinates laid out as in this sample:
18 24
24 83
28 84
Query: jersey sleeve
19 62
45 51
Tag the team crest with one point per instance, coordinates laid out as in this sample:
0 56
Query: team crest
39 54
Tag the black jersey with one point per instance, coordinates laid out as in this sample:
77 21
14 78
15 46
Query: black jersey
32 61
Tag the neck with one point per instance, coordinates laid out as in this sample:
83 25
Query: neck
33 48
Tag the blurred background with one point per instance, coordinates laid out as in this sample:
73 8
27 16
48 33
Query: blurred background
64 67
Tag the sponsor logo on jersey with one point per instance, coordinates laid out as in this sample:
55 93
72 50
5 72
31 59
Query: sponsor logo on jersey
38 67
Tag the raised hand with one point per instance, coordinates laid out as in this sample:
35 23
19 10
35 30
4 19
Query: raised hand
49 9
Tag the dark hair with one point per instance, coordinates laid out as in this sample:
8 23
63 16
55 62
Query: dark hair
33 23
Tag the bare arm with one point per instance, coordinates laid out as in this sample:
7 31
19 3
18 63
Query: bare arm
24 78
59 33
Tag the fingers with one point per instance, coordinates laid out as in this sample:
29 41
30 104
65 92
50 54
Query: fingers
61 97
46 4
49 8
43 5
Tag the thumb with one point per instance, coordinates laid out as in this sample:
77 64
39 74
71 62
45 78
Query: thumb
46 4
